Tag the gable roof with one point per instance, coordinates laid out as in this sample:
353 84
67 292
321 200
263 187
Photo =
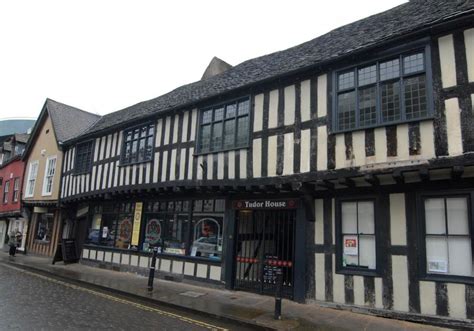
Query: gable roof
363 34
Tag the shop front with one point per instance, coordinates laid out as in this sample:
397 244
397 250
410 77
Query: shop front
188 233
45 227
19 226
3 233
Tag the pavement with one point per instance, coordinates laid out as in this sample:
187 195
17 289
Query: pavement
246 309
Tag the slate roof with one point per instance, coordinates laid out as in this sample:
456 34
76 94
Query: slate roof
21 137
69 122
368 32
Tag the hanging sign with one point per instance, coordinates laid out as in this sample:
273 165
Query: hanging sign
137 219
265 204
351 245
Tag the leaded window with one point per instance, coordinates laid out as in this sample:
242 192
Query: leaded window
83 157
387 91
138 144
224 127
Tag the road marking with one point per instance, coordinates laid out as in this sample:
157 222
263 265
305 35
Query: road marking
123 301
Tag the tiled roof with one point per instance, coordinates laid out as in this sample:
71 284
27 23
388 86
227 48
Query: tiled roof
373 30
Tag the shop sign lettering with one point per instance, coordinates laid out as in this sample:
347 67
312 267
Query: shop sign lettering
264 204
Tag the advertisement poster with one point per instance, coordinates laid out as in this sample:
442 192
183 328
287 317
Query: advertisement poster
351 245
136 223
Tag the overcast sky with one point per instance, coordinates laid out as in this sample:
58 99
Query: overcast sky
105 55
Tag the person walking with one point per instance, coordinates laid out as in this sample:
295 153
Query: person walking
12 242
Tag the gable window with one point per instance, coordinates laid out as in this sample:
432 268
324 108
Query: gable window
392 90
6 190
224 127
49 175
356 235
138 144
16 189
83 158
448 235
32 174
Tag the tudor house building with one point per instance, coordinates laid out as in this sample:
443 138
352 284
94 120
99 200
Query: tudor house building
345 163
43 158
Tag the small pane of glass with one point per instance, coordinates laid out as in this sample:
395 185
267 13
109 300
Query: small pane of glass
151 130
244 107
460 256
367 75
413 63
435 216
242 131
367 252
346 80
219 114
415 97
346 106
390 69
458 220
217 136
366 217
349 217
229 133
367 106
390 102
230 111
205 137
207 116
436 254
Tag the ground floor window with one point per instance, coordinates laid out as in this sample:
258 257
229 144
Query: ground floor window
357 236
447 235
44 227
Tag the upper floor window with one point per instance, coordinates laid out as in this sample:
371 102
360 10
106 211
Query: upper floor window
392 90
16 189
83 157
32 174
138 144
224 127
6 190
49 175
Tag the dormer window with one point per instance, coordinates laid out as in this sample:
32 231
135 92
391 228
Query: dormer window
392 90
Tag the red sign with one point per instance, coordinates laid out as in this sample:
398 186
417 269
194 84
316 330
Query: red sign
265 204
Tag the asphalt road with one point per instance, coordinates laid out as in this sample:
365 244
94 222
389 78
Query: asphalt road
29 301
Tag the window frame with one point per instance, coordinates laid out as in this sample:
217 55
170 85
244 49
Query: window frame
249 115
16 189
419 46
6 191
421 222
46 176
378 218
28 183
76 154
123 162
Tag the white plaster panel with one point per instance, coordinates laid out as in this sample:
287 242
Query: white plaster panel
273 110
177 267
378 293
127 175
199 167
257 158
231 164
147 173
288 153
96 149
398 228
99 176
427 298
164 166
190 163
173 164
289 113
359 297
453 127
175 128
116 258
134 174
320 277
120 135
469 42
125 259
210 166
243 163
104 175
102 148
184 133
215 272
400 283
258 113
403 144
220 166
159 127
457 300
193 124
322 95
447 61
166 138
305 150
340 151
85 253
201 271
322 156
100 255
358 147
189 269
156 163
305 103
338 284
182 164
319 226
272 156
114 144
165 265
144 260
427 139
109 146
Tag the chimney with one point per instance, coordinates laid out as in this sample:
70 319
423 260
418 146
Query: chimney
215 67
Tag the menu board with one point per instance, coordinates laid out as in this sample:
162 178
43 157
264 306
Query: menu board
270 272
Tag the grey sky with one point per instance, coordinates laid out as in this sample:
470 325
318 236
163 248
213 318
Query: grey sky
102 56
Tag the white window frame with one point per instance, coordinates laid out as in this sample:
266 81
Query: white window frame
29 185
47 175
16 189
6 191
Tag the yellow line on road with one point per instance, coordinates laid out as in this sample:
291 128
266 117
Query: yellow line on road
123 301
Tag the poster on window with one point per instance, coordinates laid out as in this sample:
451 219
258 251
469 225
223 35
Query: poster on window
351 245
440 266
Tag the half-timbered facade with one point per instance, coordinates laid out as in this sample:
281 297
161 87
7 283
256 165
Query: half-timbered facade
344 163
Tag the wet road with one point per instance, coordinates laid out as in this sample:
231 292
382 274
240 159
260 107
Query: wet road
30 301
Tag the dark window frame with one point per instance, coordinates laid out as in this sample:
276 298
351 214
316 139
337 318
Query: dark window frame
378 218
420 46
123 161
86 169
224 105
421 223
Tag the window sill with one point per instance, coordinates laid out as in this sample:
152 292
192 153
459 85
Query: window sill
81 173
221 150
134 163
430 117
358 272
448 279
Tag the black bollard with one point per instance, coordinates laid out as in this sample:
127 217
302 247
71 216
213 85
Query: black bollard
278 293
151 275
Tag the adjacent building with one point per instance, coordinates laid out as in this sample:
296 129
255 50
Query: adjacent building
43 159
344 163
